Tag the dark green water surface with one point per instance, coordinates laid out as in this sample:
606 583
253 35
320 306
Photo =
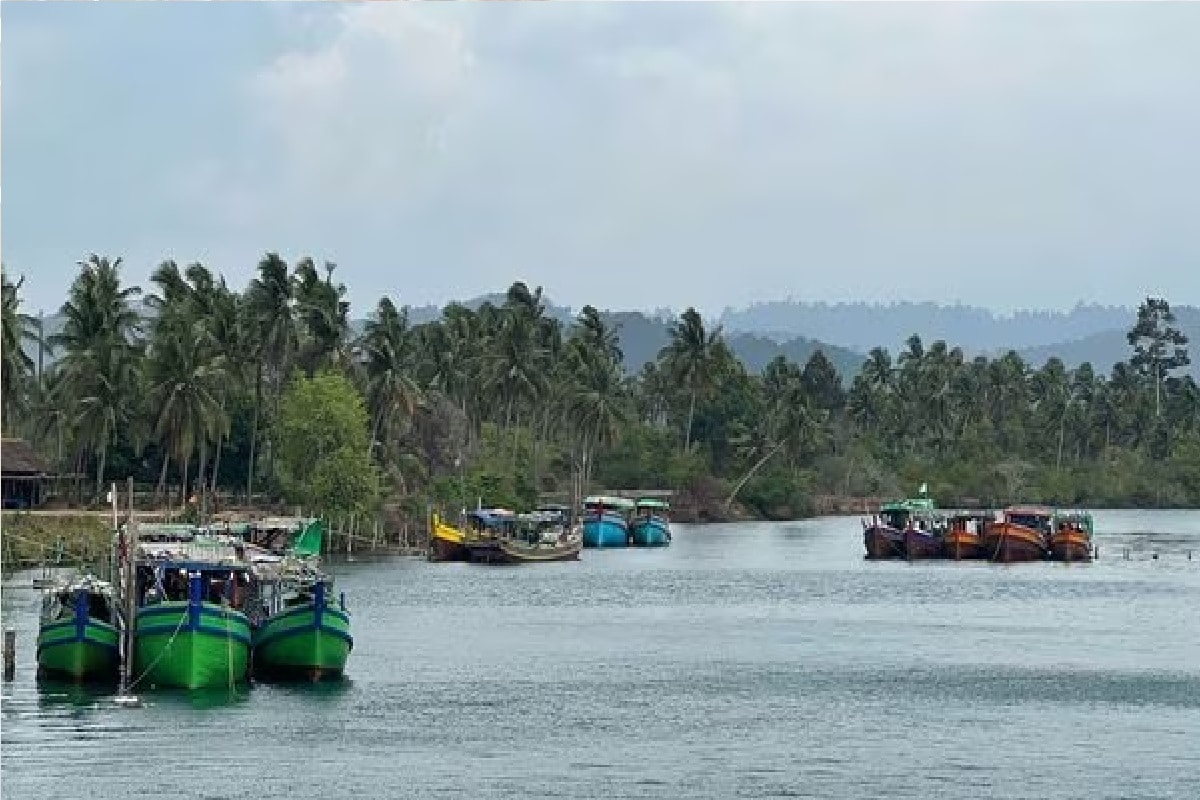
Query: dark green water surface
765 660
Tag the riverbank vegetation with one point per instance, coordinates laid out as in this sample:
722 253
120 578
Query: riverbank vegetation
272 393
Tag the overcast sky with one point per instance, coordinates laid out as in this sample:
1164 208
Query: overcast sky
625 154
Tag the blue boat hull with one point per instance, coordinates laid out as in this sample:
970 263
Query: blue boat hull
609 530
652 532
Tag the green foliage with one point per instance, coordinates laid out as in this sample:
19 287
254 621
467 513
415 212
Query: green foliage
268 390
322 440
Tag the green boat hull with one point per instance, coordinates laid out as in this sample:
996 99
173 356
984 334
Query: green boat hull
87 651
300 642
191 646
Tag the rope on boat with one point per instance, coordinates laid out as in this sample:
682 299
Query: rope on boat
182 618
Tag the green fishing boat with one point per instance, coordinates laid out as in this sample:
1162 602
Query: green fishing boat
300 629
78 631
305 632
191 628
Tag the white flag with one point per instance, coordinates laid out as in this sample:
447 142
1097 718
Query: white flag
924 488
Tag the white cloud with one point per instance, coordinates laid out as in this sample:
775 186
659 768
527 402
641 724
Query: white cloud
818 146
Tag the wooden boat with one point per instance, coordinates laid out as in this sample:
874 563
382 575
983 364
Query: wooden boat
499 536
650 526
300 629
1022 534
1071 538
884 536
79 631
446 543
605 522
964 535
191 630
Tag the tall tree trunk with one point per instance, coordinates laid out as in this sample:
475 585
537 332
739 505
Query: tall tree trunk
100 466
212 483
200 493
687 436
162 477
183 482
254 433
217 456
1062 430
750 473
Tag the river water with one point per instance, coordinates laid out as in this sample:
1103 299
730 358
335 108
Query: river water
764 660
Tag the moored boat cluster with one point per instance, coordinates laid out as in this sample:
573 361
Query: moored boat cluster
201 607
551 532
914 528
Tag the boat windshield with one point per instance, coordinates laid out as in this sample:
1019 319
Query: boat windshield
1037 522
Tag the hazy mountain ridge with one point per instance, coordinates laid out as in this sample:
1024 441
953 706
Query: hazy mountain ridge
862 326
642 334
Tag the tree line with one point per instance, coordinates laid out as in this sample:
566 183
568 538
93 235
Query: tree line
269 393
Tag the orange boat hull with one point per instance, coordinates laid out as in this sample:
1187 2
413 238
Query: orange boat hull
1006 543
1071 546
963 545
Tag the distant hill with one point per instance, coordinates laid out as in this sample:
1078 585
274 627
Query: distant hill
1105 348
642 337
862 326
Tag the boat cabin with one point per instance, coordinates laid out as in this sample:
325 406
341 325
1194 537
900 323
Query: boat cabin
490 523
540 527
652 507
901 514
86 599
180 581
601 504
1037 518
970 521
1077 521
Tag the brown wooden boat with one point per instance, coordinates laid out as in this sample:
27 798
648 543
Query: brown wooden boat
922 539
501 537
1022 535
1072 538
964 537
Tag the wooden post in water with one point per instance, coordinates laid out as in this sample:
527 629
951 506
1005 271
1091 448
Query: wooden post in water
10 654
129 601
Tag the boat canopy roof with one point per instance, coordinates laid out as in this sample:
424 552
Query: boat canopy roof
491 517
909 504
1029 511
652 502
610 502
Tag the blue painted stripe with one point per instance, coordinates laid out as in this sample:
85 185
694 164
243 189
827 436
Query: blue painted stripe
216 633
70 623
180 607
64 642
308 607
300 629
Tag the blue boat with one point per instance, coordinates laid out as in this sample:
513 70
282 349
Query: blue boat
604 521
650 526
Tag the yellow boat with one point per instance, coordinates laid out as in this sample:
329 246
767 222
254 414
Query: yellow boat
446 543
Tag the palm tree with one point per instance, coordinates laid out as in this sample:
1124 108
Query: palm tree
594 404
16 365
270 324
323 313
689 357
389 361
100 357
185 376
